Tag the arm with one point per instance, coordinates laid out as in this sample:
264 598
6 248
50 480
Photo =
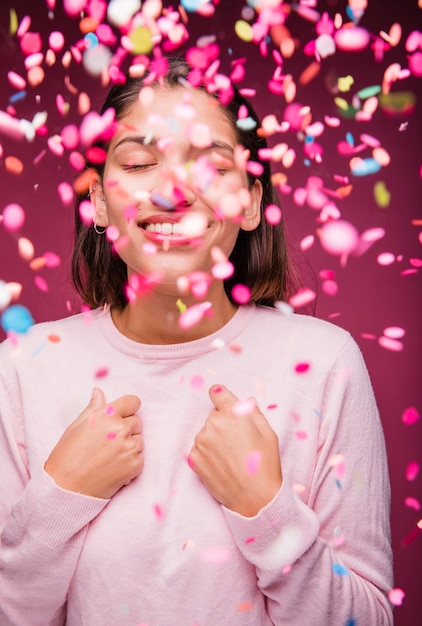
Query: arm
307 575
44 517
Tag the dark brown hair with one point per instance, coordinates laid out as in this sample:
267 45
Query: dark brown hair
260 257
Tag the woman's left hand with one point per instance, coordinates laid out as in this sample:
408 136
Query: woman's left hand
236 454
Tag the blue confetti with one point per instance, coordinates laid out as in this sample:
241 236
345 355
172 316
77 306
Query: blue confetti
340 569
19 95
246 123
16 318
365 167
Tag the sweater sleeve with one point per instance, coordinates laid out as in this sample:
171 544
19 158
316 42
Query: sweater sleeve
327 561
42 529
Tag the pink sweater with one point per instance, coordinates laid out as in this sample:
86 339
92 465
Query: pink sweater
162 551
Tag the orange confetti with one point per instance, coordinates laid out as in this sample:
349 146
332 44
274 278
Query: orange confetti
13 165
343 192
54 338
88 25
37 263
310 73
83 182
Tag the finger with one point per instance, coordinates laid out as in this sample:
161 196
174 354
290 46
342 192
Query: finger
125 406
222 397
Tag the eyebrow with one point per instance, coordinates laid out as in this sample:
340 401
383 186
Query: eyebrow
152 141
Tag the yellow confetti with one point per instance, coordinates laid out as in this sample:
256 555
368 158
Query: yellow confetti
181 306
341 103
141 39
381 194
344 83
13 26
243 30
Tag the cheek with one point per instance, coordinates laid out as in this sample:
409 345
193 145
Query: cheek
223 186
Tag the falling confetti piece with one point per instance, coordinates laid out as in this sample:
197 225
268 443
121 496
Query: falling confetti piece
396 596
16 318
410 416
13 217
412 471
413 503
253 462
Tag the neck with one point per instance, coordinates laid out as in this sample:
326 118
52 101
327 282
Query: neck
154 319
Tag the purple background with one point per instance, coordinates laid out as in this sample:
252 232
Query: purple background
370 297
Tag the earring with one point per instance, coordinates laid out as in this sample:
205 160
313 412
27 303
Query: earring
100 230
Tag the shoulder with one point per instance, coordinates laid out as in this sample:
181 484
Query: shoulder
297 338
303 327
68 331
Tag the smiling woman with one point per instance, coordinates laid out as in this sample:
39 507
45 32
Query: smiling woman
215 147
167 503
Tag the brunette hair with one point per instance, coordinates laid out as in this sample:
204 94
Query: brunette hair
260 257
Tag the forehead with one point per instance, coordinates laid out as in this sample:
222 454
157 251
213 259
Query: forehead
171 110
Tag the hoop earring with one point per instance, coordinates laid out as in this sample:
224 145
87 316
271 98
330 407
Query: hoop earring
100 230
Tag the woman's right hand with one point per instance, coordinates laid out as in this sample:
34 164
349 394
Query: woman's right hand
101 451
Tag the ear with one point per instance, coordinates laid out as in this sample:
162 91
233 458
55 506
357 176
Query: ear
252 215
96 195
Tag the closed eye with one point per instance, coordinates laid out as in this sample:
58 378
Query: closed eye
137 167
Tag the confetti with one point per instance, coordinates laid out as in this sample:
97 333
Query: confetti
410 416
17 318
396 596
13 217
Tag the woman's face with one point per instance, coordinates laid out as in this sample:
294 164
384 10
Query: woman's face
172 186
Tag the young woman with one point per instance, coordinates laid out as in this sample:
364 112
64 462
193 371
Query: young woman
228 464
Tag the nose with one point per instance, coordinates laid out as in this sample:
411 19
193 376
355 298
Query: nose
173 194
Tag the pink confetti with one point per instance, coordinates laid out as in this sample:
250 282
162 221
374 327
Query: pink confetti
301 368
65 192
410 416
197 382
31 43
56 41
51 259
41 283
396 596
158 512
394 332
253 462
301 435
193 314
339 237
390 344
111 435
245 407
241 294
216 554
101 372
413 503
273 214
13 216
412 471
303 297
386 258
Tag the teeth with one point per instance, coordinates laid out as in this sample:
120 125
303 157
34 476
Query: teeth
166 228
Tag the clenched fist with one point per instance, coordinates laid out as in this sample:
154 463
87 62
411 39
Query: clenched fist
236 454
101 450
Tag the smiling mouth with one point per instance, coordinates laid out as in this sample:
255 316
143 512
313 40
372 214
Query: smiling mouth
163 228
